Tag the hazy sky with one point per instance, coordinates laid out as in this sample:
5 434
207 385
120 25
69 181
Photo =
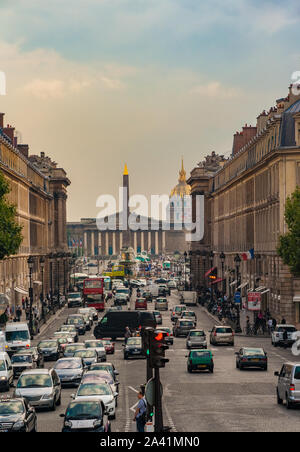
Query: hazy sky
97 83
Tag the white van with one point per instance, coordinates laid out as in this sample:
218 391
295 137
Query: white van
17 336
6 372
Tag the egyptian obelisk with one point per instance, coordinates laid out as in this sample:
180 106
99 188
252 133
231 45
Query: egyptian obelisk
126 231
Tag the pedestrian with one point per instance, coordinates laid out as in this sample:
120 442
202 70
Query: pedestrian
27 312
141 413
26 303
127 334
270 325
23 303
18 313
274 321
283 321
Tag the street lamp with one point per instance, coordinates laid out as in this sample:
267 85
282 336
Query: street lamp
237 261
51 260
185 256
222 259
30 263
42 265
211 257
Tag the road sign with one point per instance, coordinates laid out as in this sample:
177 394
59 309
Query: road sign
150 392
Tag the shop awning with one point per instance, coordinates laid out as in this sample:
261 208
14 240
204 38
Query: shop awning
265 291
38 283
233 283
260 289
21 290
209 272
296 299
242 286
217 281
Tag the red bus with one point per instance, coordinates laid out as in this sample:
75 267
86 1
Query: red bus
93 293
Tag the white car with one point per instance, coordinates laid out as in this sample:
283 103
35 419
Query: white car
277 335
97 345
100 391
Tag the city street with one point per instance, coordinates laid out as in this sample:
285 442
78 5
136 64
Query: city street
228 400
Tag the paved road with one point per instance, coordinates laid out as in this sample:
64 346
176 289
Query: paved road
228 400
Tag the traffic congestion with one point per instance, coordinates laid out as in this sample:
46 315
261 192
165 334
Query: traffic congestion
85 371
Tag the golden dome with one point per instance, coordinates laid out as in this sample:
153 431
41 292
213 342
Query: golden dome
182 188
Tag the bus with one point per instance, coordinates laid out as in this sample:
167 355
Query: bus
93 293
167 265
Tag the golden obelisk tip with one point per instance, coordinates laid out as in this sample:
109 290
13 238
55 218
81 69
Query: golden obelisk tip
125 173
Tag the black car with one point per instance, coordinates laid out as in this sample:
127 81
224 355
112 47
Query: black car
50 349
78 321
251 357
37 355
148 296
134 348
16 415
114 323
86 415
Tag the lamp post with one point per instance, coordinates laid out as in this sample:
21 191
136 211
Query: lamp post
51 260
257 277
30 263
237 261
198 254
222 259
204 255
184 275
211 257
42 265
191 280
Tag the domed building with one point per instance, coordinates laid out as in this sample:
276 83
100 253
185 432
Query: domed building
182 188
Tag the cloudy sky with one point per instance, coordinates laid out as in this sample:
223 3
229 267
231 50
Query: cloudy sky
98 83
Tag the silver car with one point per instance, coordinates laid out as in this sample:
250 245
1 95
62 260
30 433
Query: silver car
196 339
98 346
222 335
40 387
70 371
183 327
161 304
288 386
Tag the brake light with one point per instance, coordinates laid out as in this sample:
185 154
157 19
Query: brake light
27 346
292 387
215 334
232 333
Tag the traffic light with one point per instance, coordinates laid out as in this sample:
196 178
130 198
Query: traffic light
158 348
214 274
145 334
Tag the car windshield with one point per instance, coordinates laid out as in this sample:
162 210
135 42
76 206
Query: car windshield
134 341
68 329
74 295
186 323
2 365
73 348
17 336
47 344
179 309
34 381
197 334
85 353
68 364
253 351
188 314
200 354
98 375
84 410
11 408
21 359
93 344
288 329
297 373
106 342
90 389
224 330
75 321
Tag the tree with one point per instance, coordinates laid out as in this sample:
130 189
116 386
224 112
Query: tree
289 244
10 231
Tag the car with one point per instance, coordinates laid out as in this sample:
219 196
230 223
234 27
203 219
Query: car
148 296
109 346
120 299
108 367
158 317
6 372
200 360
133 348
22 361
40 387
70 371
89 313
89 356
182 327
277 335
38 357
88 320
113 324
172 284
50 349
17 336
78 321
98 375
176 313
251 357
70 329
98 346
288 386
86 415
222 335
196 339
169 336
141 303
161 304
123 293
16 415
94 313
189 315
163 290
71 349
74 300
100 391
114 308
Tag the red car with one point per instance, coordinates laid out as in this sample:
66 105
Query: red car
109 346
141 303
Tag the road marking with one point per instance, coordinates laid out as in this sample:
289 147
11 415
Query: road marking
128 422
170 420
135 390
134 407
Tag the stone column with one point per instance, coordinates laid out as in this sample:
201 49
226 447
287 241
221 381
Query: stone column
85 250
92 243
156 242
149 241
114 243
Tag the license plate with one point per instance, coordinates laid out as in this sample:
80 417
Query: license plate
4 431
256 360
201 366
136 352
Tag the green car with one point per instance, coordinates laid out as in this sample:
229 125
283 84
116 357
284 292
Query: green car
200 360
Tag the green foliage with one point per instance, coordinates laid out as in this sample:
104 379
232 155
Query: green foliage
10 231
289 244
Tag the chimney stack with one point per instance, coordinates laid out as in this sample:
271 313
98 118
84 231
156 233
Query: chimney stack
2 120
24 149
9 131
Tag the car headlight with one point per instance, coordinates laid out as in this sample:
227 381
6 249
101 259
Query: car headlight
110 400
19 424
97 424
47 396
68 424
3 378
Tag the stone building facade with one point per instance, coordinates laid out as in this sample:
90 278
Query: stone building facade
245 208
39 191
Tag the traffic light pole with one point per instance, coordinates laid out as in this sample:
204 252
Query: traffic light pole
159 424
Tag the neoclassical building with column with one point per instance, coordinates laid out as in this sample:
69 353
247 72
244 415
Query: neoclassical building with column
245 205
86 239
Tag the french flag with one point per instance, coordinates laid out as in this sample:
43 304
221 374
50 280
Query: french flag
248 256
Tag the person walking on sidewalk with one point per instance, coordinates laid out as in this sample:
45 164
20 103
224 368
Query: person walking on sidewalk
141 413
18 313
